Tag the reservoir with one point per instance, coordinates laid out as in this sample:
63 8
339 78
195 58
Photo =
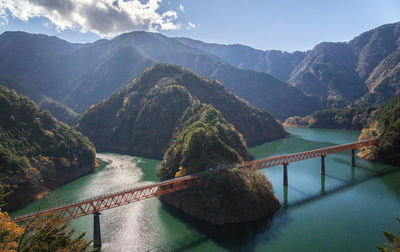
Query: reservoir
345 210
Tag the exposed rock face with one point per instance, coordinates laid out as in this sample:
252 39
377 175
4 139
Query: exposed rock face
385 127
37 152
142 117
206 140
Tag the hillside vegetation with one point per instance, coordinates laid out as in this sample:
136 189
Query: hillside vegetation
37 152
142 117
206 140
385 127
364 69
60 111
350 119
79 75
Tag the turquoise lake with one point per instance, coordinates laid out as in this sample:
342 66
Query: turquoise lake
346 210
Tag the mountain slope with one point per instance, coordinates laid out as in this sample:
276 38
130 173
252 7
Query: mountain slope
277 63
352 70
60 111
80 75
386 128
329 71
37 152
384 81
206 140
141 117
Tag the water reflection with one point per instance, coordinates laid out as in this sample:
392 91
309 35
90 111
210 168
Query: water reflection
233 237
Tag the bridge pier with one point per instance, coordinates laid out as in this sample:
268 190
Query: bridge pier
285 175
353 158
323 183
285 196
96 231
323 164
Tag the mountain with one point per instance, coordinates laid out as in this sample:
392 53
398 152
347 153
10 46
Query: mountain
60 111
80 75
384 81
385 126
349 118
206 140
348 70
277 63
37 152
329 71
141 117
362 69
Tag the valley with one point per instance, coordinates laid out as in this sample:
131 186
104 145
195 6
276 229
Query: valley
86 120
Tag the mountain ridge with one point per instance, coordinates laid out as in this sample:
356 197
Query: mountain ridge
83 74
327 69
141 118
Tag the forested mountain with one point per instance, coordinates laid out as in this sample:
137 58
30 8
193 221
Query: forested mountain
385 126
141 118
358 64
37 152
348 118
80 75
279 64
60 111
204 140
365 68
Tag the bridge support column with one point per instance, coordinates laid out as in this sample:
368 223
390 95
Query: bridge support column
96 231
323 165
322 183
285 176
285 196
353 158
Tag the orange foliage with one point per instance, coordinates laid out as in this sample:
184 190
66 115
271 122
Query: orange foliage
12 233
179 173
241 136
92 106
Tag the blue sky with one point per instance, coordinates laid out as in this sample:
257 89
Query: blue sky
263 24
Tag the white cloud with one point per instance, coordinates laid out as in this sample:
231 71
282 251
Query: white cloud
190 26
181 8
104 17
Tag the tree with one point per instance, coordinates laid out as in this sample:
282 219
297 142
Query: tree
9 233
393 243
53 234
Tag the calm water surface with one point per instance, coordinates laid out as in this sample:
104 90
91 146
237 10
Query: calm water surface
343 211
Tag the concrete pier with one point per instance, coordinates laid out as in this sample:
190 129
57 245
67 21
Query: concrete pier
353 157
323 165
285 175
96 231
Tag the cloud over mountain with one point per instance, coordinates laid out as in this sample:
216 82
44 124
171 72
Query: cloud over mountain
103 17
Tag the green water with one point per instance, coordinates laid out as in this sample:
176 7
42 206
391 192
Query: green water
343 211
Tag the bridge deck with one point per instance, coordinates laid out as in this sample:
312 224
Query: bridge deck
104 202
